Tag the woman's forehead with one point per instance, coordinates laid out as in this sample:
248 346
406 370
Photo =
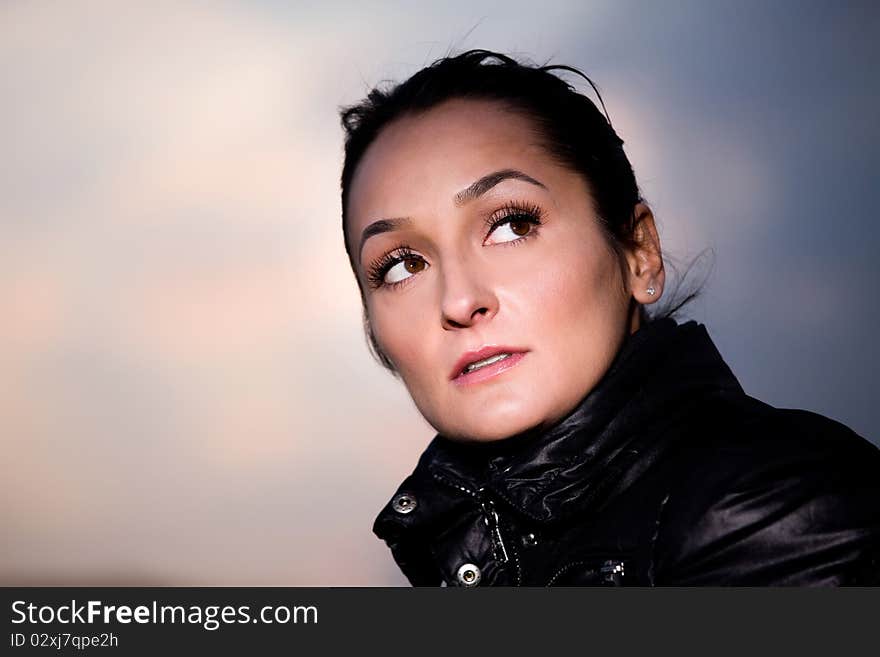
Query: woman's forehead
440 152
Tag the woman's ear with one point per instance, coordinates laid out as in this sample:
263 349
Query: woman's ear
645 259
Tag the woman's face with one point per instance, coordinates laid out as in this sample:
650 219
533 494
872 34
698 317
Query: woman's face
485 247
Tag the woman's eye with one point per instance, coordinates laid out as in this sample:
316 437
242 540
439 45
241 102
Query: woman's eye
404 269
512 228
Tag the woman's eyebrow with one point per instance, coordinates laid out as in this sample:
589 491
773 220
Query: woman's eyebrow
488 181
379 227
475 190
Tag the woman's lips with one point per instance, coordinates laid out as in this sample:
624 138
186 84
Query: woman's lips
489 371
484 352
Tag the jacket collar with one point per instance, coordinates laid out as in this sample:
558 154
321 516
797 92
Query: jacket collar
660 370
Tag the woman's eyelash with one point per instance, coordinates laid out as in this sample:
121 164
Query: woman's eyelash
514 210
379 268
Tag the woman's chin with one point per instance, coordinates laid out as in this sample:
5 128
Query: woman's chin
490 426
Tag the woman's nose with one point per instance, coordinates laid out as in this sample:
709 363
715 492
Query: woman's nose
466 296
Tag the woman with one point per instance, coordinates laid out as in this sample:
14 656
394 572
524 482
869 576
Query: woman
506 261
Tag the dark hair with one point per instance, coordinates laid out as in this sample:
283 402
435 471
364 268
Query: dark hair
570 126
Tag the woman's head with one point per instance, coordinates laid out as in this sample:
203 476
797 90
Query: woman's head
489 207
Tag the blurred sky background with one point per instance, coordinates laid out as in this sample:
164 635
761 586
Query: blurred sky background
186 396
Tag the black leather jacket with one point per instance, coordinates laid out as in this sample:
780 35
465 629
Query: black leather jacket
667 473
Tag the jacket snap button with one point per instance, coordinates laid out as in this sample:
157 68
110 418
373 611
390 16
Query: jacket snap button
530 539
468 575
403 503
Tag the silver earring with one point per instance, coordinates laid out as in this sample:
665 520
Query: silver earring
651 290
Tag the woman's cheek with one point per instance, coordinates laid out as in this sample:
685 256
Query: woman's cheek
560 287
400 335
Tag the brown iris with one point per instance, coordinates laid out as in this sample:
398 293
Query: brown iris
520 227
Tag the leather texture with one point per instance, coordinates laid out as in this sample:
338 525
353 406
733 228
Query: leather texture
666 473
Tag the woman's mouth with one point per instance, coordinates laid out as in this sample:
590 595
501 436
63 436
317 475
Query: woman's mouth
487 367
484 363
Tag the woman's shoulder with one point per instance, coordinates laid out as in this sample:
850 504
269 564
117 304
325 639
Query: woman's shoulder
772 496
749 435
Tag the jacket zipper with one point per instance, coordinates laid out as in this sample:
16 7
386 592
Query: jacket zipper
490 517
611 571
